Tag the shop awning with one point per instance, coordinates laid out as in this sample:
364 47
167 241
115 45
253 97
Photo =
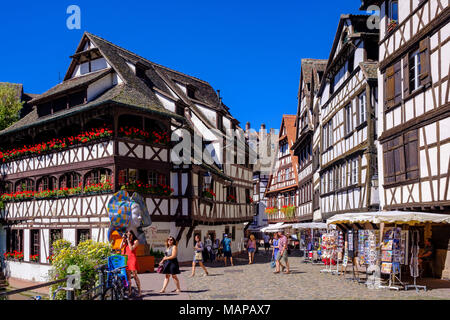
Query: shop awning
399 217
273 227
313 225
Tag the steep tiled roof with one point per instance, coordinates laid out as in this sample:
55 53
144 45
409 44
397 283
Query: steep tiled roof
120 94
134 91
71 84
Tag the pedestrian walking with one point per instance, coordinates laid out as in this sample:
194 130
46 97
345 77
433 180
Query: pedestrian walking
208 245
198 256
215 249
170 264
282 254
129 244
251 247
275 248
226 246
266 242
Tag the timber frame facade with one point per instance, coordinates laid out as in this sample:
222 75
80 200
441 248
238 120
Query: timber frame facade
282 188
415 114
306 147
108 87
348 102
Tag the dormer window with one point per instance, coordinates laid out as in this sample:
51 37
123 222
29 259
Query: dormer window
191 92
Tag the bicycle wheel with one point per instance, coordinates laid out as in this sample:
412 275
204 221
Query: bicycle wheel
119 290
109 294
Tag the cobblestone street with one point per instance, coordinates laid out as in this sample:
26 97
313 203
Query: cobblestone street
257 282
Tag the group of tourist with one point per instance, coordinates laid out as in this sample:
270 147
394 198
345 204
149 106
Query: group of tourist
169 264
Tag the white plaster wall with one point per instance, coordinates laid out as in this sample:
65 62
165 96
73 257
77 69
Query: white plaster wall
209 114
207 134
27 271
132 67
167 103
26 244
44 237
182 87
70 235
99 86
359 54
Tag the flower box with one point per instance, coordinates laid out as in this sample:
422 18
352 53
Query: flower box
231 199
208 194
392 25
55 145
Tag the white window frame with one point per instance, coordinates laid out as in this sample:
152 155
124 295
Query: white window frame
414 70
362 107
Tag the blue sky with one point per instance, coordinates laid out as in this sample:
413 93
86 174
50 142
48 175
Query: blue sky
250 50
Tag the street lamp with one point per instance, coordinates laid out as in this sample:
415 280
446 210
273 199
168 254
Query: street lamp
207 178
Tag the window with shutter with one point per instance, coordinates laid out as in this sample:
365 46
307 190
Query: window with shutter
405 77
397 83
414 70
389 88
425 71
401 158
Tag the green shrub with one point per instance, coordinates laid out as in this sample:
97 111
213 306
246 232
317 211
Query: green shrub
86 256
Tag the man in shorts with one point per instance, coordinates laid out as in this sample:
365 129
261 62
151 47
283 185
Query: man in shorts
226 245
282 256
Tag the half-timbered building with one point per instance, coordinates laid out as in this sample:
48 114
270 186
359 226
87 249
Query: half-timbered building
282 189
307 126
109 124
261 172
348 102
414 115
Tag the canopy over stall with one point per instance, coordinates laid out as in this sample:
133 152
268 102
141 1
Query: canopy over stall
398 217
312 225
273 227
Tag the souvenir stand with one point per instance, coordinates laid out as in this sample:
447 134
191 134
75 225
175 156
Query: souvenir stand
393 246
311 235
329 251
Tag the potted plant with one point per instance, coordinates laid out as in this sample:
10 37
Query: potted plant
208 193
34 258
8 256
392 25
18 255
231 198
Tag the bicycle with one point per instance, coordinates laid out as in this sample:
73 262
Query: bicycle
116 285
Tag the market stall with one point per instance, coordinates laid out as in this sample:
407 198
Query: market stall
386 244
310 237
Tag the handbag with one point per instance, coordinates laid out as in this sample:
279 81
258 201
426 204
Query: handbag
162 266
272 262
